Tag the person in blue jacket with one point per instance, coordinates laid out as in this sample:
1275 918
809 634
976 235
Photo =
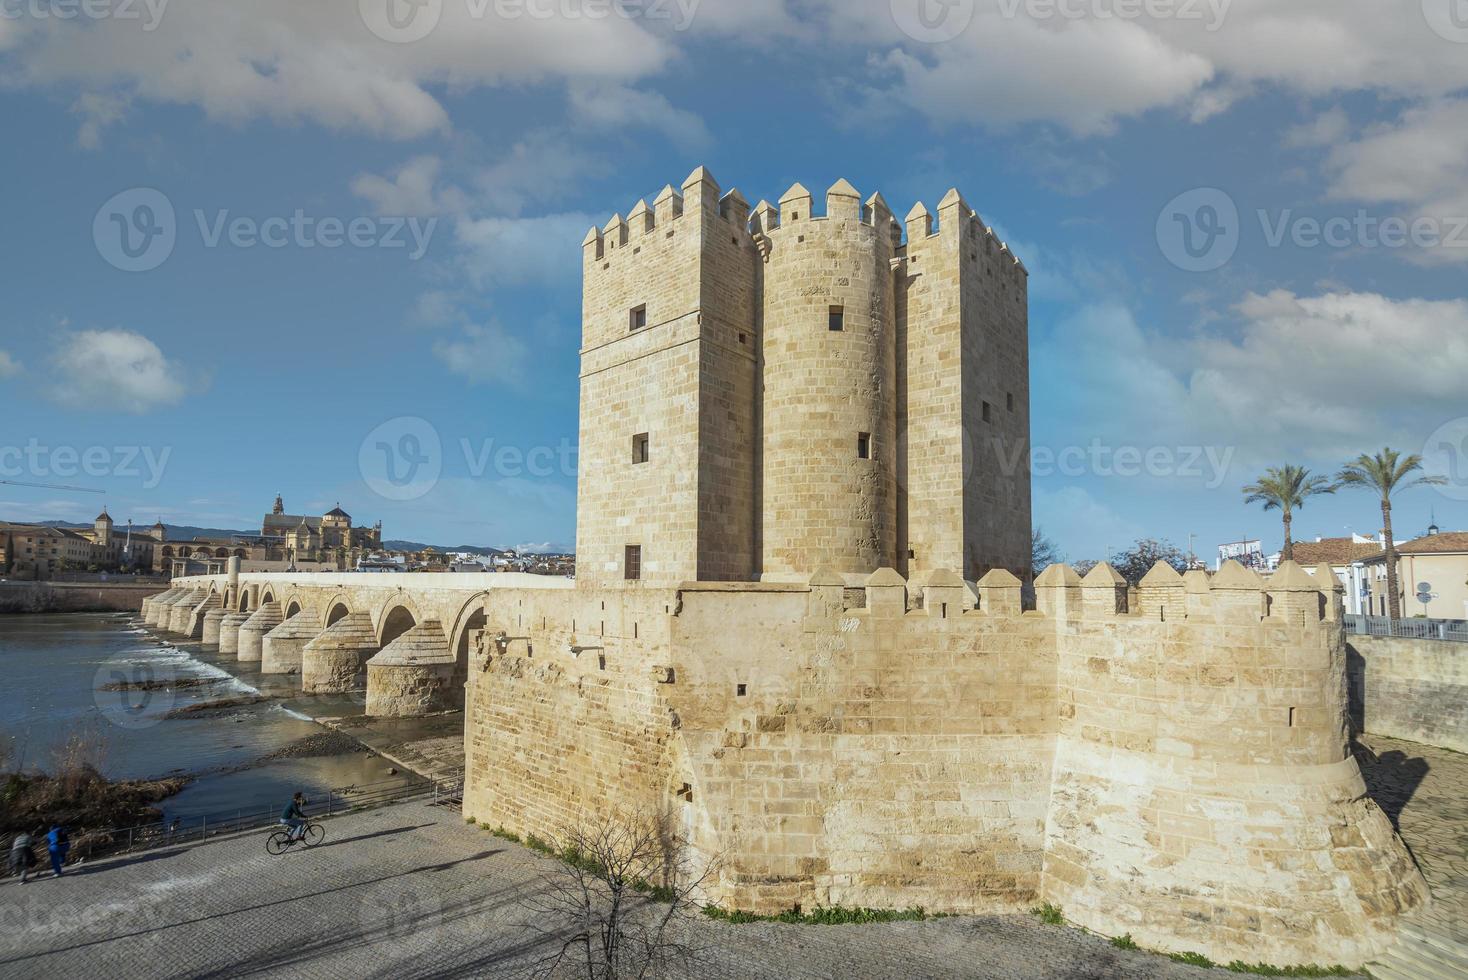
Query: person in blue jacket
57 844
293 817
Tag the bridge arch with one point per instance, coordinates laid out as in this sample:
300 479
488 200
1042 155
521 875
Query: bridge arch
267 595
470 618
399 616
292 607
337 608
244 600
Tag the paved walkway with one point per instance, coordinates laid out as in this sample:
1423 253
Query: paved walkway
1424 790
411 891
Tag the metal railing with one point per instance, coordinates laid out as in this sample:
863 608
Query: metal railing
1451 630
181 831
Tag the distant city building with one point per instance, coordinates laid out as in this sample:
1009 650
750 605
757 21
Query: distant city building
1432 576
38 551
286 542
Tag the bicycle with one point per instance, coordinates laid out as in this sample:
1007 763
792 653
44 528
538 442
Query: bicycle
283 839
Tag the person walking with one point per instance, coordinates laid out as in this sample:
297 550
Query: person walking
57 844
22 855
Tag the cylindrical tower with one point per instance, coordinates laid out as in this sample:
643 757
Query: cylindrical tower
829 406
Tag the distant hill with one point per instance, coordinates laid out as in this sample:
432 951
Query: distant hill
185 532
173 532
472 549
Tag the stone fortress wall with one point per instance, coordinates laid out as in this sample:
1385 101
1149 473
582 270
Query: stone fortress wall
1175 768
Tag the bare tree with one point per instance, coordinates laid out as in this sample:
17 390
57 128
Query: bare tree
618 898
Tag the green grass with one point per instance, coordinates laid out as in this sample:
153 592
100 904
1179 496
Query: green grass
470 821
1049 914
1309 970
504 834
825 915
1124 941
1192 959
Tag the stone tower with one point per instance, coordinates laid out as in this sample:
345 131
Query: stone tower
102 529
767 394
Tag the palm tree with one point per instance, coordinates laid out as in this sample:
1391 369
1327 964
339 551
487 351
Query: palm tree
1286 488
1386 473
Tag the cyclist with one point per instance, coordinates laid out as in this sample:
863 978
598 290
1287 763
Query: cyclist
293 817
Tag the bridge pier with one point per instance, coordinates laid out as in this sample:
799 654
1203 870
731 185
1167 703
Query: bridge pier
252 634
194 627
336 661
209 632
280 650
179 612
229 631
412 675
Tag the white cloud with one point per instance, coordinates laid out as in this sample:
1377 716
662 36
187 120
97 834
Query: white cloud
507 251
114 370
98 110
1326 129
1420 164
316 62
1322 377
611 106
9 366
485 353
411 190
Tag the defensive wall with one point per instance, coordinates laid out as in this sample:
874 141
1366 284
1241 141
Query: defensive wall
1169 762
1409 688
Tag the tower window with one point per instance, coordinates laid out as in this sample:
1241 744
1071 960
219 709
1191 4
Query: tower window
640 448
638 317
836 318
1009 401
864 445
632 562
986 411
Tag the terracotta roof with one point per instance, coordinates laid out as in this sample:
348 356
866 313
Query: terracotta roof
1333 551
1445 541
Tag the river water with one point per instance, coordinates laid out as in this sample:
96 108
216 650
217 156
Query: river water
57 669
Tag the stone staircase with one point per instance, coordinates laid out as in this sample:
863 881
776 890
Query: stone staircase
1425 951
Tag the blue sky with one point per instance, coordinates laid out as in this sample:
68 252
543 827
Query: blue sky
195 382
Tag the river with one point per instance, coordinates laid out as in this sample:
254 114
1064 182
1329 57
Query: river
58 668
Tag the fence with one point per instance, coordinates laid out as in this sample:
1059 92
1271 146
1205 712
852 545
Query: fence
1452 630
179 831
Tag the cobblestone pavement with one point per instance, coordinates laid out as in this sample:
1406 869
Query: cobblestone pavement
411 891
1425 792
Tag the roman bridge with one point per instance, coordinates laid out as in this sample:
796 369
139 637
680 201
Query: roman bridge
403 638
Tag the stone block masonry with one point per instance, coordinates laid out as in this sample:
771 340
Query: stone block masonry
767 392
1412 689
1180 777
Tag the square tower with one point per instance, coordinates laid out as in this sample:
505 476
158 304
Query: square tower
964 371
667 475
